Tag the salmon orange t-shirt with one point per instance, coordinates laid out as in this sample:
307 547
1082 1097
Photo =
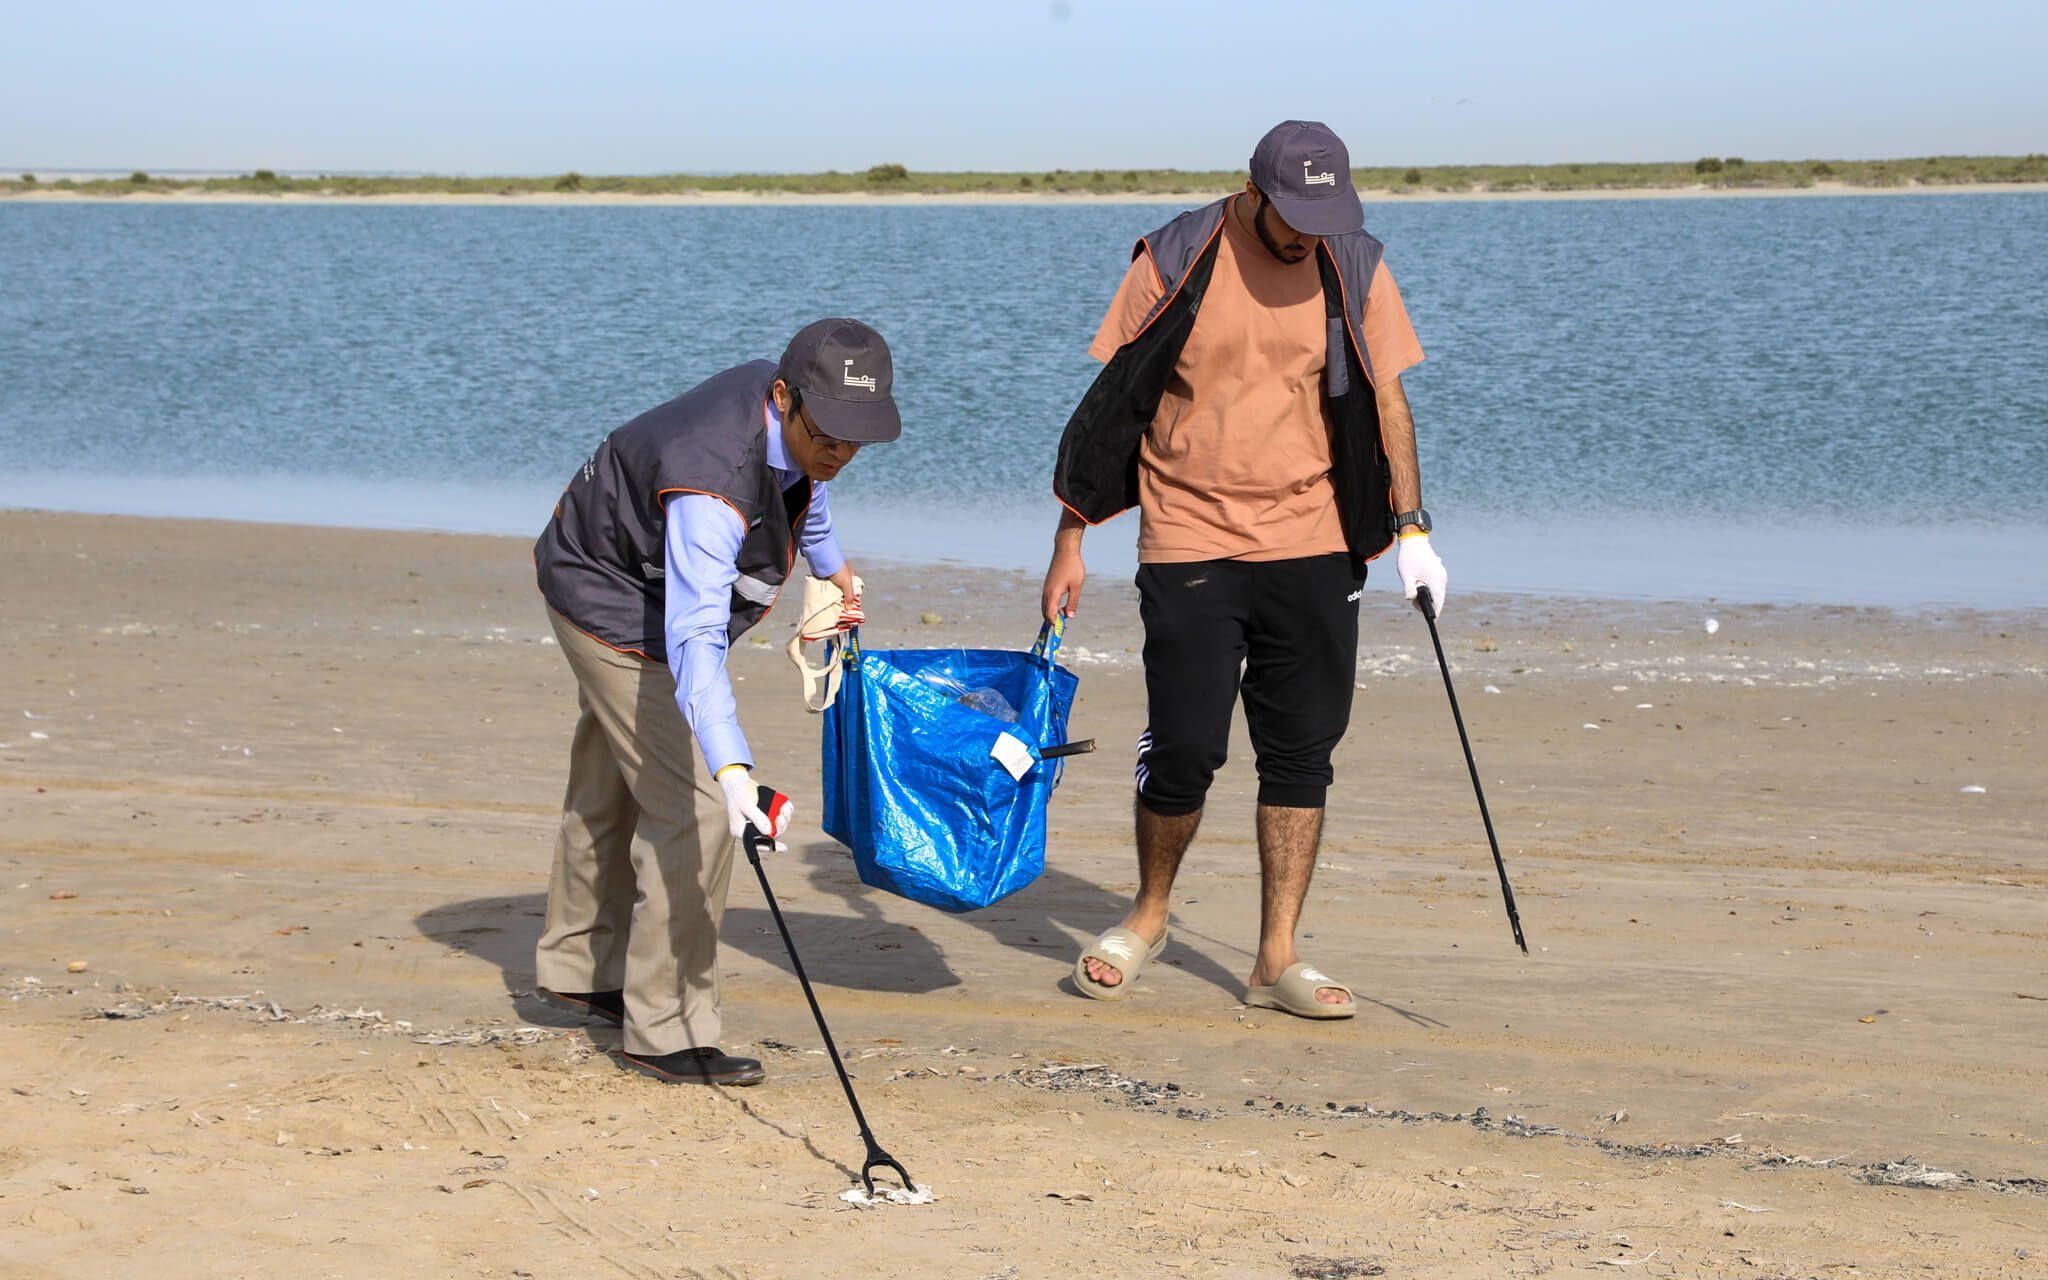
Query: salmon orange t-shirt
1236 464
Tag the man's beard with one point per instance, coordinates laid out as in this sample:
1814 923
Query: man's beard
1266 238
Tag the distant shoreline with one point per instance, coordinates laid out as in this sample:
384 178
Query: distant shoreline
895 184
604 199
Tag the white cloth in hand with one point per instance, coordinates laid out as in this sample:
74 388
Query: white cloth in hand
827 610
1419 566
742 806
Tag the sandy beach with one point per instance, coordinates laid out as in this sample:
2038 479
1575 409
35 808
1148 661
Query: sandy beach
1185 199
278 806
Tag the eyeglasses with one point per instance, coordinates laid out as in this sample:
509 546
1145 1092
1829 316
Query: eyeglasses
817 437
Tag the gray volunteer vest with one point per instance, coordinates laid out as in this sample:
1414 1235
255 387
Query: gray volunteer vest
1096 474
601 559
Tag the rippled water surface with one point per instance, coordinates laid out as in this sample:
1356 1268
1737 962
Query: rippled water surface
1870 361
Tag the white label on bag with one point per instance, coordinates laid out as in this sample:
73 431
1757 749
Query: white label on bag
1011 753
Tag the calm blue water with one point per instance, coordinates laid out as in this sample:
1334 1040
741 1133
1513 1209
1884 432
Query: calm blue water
1841 364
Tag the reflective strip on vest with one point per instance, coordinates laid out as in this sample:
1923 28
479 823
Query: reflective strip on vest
755 590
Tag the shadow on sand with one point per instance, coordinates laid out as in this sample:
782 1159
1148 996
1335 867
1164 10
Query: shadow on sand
864 951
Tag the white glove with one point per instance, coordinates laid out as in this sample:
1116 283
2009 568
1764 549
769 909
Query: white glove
1419 567
743 806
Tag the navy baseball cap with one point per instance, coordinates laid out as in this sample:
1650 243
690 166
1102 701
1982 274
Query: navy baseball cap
1305 171
844 371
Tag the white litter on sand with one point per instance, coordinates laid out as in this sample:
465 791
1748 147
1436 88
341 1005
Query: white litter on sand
1644 706
39 735
1973 790
1488 689
1590 726
1712 625
920 1194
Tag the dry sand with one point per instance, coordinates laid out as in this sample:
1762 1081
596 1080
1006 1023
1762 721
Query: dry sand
288 796
1184 199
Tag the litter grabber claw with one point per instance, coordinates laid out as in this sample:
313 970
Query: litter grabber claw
879 1159
770 802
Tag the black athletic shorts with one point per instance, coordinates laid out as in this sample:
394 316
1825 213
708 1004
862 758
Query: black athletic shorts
1283 631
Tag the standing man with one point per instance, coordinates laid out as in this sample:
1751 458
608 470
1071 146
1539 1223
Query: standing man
671 541
1251 409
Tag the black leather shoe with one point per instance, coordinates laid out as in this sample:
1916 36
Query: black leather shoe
608 1005
695 1066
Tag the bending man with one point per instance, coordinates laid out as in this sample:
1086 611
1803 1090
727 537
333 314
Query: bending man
670 542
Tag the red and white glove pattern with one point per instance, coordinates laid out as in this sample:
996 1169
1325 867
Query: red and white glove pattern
850 615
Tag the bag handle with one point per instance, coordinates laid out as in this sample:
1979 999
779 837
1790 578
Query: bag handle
1049 635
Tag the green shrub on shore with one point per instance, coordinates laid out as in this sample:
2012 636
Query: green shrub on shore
896 179
28 179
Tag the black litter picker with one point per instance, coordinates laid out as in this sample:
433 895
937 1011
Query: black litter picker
1427 604
771 802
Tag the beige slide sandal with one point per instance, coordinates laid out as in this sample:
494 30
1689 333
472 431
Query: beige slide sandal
1295 993
1123 950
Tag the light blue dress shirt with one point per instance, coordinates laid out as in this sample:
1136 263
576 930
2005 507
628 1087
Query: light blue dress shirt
703 537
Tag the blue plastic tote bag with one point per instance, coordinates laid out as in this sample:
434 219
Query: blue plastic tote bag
933 771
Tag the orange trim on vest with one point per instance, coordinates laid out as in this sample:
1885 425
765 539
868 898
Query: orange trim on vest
795 539
795 526
600 639
1180 284
1084 519
1157 312
1152 261
708 494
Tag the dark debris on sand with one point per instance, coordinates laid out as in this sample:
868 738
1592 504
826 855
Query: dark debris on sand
1309 1266
1120 1090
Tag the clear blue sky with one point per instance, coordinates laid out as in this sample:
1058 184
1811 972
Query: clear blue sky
515 87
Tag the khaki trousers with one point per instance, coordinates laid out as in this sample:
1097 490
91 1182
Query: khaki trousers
643 857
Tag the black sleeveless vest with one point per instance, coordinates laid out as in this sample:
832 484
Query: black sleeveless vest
1096 475
601 560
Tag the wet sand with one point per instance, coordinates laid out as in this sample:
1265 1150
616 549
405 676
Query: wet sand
288 795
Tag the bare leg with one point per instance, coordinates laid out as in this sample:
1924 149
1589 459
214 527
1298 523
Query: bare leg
1287 859
1161 843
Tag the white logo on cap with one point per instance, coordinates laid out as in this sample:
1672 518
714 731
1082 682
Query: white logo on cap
1316 179
866 380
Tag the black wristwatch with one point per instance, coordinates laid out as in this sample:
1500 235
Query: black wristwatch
1418 518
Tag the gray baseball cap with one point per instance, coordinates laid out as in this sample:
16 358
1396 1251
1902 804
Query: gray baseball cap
1305 171
844 371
